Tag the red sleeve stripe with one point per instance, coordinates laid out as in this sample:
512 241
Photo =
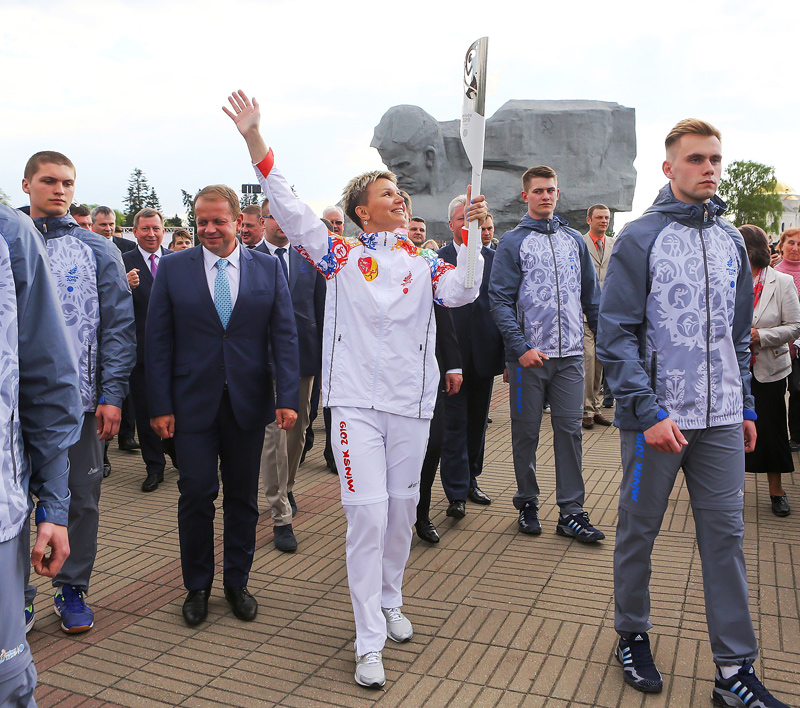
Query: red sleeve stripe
265 166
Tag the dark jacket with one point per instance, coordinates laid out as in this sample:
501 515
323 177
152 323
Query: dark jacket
186 344
479 339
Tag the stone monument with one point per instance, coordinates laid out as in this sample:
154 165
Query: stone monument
590 144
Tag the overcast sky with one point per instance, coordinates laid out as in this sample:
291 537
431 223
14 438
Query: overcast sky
117 85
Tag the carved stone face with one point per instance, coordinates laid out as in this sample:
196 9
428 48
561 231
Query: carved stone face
414 168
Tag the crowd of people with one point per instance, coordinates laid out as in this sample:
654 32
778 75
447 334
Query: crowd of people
220 355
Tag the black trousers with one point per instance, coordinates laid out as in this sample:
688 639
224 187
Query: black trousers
127 426
465 416
431 461
794 401
152 447
228 451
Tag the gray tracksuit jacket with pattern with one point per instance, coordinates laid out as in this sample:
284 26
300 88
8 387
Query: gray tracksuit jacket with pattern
675 318
40 408
543 282
97 306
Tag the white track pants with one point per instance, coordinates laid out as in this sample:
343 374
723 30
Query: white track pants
379 457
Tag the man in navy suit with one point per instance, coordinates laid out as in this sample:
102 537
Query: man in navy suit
141 265
282 449
215 312
467 411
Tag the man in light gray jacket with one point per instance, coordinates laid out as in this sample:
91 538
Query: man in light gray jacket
542 284
98 311
40 413
674 338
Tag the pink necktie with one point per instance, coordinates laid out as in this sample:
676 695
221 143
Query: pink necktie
153 264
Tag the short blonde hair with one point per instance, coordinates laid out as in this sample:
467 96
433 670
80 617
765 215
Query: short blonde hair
691 126
355 193
220 192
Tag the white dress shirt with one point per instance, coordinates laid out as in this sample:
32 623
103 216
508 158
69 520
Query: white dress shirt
256 245
233 270
272 248
147 255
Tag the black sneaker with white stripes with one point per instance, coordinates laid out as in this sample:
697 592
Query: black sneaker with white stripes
579 527
638 666
743 690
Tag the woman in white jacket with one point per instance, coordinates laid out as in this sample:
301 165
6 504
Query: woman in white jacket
379 373
776 322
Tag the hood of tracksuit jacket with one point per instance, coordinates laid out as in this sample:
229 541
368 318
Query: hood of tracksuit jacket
543 226
691 215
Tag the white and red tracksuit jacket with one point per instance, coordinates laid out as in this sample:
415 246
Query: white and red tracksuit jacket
380 332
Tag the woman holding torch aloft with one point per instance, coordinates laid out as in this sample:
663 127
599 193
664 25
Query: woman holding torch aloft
379 375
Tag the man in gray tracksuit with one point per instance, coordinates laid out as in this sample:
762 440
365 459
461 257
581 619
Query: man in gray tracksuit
542 283
40 414
98 310
674 336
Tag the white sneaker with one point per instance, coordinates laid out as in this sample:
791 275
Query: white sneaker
398 626
369 670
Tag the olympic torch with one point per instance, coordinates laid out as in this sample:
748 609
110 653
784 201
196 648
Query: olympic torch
473 128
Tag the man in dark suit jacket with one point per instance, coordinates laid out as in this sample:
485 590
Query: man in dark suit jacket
466 412
282 450
141 265
214 312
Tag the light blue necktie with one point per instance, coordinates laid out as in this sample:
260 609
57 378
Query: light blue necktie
222 293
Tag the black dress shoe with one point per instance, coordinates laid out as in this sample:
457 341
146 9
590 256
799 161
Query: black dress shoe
152 481
242 603
128 444
195 606
457 510
292 503
284 538
477 496
427 531
780 505
106 469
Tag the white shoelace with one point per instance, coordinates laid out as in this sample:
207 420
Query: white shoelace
371 657
394 614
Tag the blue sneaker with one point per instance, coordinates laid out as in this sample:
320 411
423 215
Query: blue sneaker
579 527
30 618
529 519
639 669
743 690
76 616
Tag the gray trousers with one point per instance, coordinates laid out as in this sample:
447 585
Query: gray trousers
713 466
280 457
560 381
17 673
85 477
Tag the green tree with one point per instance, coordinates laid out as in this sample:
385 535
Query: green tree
247 199
174 222
140 195
749 189
4 198
188 202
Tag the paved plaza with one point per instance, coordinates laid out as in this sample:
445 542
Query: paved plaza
500 619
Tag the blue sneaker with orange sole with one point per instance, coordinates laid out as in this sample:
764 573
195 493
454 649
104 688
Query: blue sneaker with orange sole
76 616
